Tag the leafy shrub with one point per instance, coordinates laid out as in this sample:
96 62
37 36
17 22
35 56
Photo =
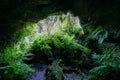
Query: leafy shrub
108 65
61 39
11 54
94 38
17 70
55 71
27 30
13 58
60 45
98 33
105 55
72 28
110 56
104 72
62 42
67 46
41 47
14 54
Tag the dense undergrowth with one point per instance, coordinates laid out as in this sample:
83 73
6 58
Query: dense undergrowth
13 55
92 51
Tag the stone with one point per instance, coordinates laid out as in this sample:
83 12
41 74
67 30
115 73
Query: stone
55 22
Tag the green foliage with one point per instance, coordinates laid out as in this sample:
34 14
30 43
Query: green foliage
117 34
110 56
41 46
72 29
98 33
94 38
16 51
62 42
56 71
17 70
21 46
105 55
99 73
104 72
11 54
14 54
62 45
28 29
108 63
13 57
61 39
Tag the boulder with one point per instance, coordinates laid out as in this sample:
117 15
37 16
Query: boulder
53 23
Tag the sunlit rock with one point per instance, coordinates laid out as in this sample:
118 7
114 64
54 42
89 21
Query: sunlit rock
53 23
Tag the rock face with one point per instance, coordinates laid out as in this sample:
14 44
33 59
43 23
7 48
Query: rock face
53 23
